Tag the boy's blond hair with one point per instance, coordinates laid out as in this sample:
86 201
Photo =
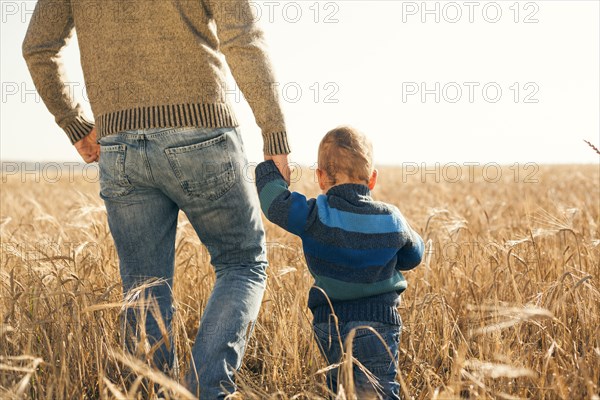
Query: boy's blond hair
347 151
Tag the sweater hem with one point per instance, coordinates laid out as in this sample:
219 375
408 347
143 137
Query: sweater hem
358 312
204 115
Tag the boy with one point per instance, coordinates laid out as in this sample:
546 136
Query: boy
355 249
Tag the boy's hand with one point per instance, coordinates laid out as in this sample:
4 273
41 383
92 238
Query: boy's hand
281 160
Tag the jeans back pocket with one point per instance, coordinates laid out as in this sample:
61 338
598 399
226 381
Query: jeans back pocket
204 169
113 180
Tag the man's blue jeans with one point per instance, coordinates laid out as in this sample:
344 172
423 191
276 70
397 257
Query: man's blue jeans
369 350
146 177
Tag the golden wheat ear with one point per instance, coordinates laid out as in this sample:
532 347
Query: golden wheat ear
592 146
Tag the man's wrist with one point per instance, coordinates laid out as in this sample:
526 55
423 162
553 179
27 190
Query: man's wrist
276 143
79 128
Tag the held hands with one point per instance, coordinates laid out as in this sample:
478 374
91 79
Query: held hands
87 147
281 160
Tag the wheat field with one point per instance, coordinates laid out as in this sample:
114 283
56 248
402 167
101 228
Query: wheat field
505 305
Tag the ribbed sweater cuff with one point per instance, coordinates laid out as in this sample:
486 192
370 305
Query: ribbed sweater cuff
78 129
276 143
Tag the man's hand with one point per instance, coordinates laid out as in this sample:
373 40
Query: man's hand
281 160
87 147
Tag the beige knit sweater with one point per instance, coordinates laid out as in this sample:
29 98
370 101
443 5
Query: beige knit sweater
154 63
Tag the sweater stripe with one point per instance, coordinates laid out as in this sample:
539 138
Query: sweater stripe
298 213
269 192
170 119
340 272
354 222
349 257
340 290
334 236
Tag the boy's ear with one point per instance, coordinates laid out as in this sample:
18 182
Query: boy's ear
321 178
373 180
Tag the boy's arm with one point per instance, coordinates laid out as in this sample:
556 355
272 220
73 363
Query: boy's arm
411 254
289 210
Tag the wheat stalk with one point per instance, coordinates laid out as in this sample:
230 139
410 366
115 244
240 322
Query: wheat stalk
592 146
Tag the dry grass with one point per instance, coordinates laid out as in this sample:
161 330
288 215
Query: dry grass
505 305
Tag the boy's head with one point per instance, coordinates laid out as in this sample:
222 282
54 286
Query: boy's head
345 156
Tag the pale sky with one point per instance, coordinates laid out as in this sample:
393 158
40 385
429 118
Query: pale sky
515 81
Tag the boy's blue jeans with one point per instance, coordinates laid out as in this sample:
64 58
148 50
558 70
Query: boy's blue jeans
146 177
369 350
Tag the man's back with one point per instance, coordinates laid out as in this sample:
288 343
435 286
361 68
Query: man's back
154 64
137 55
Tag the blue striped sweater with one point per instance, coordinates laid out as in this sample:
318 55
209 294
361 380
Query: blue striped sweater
355 248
